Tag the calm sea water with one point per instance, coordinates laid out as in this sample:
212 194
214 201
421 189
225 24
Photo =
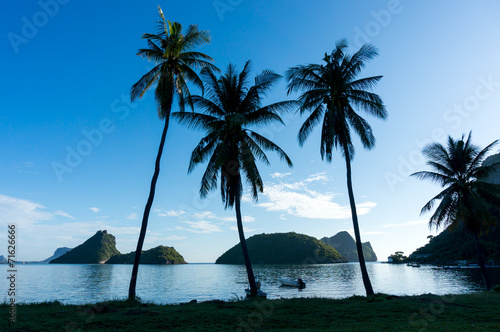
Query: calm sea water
78 284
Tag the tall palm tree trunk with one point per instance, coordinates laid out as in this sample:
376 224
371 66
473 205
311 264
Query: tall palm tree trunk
145 217
480 257
359 246
243 242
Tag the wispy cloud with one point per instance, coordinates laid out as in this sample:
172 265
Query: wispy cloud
28 167
63 214
204 215
133 216
407 223
317 177
201 226
169 213
20 211
297 200
279 175
245 219
94 209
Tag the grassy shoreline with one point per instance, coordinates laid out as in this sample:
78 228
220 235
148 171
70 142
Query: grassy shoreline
467 312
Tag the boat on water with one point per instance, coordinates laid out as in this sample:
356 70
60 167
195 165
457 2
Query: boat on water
412 264
293 283
259 293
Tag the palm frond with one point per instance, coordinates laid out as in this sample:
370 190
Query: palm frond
268 145
146 81
432 176
312 120
196 120
362 128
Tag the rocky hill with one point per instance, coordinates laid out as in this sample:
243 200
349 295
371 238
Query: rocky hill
346 246
283 248
96 250
58 253
158 255
458 244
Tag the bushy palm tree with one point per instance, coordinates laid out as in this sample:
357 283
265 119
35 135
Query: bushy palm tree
467 199
332 93
230 108
172 52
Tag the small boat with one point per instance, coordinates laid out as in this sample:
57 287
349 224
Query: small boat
259 293
293 283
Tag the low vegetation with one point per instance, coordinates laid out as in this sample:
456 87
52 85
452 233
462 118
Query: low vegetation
158 255
470 312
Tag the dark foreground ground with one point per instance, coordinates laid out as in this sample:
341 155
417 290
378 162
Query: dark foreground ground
471 312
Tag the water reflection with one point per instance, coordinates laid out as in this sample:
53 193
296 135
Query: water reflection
182 283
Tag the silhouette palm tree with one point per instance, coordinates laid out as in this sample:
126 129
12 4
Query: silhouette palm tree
231 149
174 58
467 199
332 91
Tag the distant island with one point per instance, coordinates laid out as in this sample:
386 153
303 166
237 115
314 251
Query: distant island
346 246
96 250
58 253
158 255
283 248
101 249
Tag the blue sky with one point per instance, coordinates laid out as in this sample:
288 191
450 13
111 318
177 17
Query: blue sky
67 68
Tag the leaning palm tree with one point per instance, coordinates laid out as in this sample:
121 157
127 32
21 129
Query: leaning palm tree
332 91
232 106
467 199
174 58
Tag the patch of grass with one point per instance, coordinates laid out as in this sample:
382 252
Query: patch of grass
384 312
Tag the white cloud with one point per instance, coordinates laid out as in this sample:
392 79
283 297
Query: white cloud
169 213
202 226
133 216
408 223
64 214
247 198
94 209
295 199
279 175
203 215
245 219
22 212
317 177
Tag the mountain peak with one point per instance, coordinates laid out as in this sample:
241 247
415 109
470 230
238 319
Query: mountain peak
346 246
96 250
